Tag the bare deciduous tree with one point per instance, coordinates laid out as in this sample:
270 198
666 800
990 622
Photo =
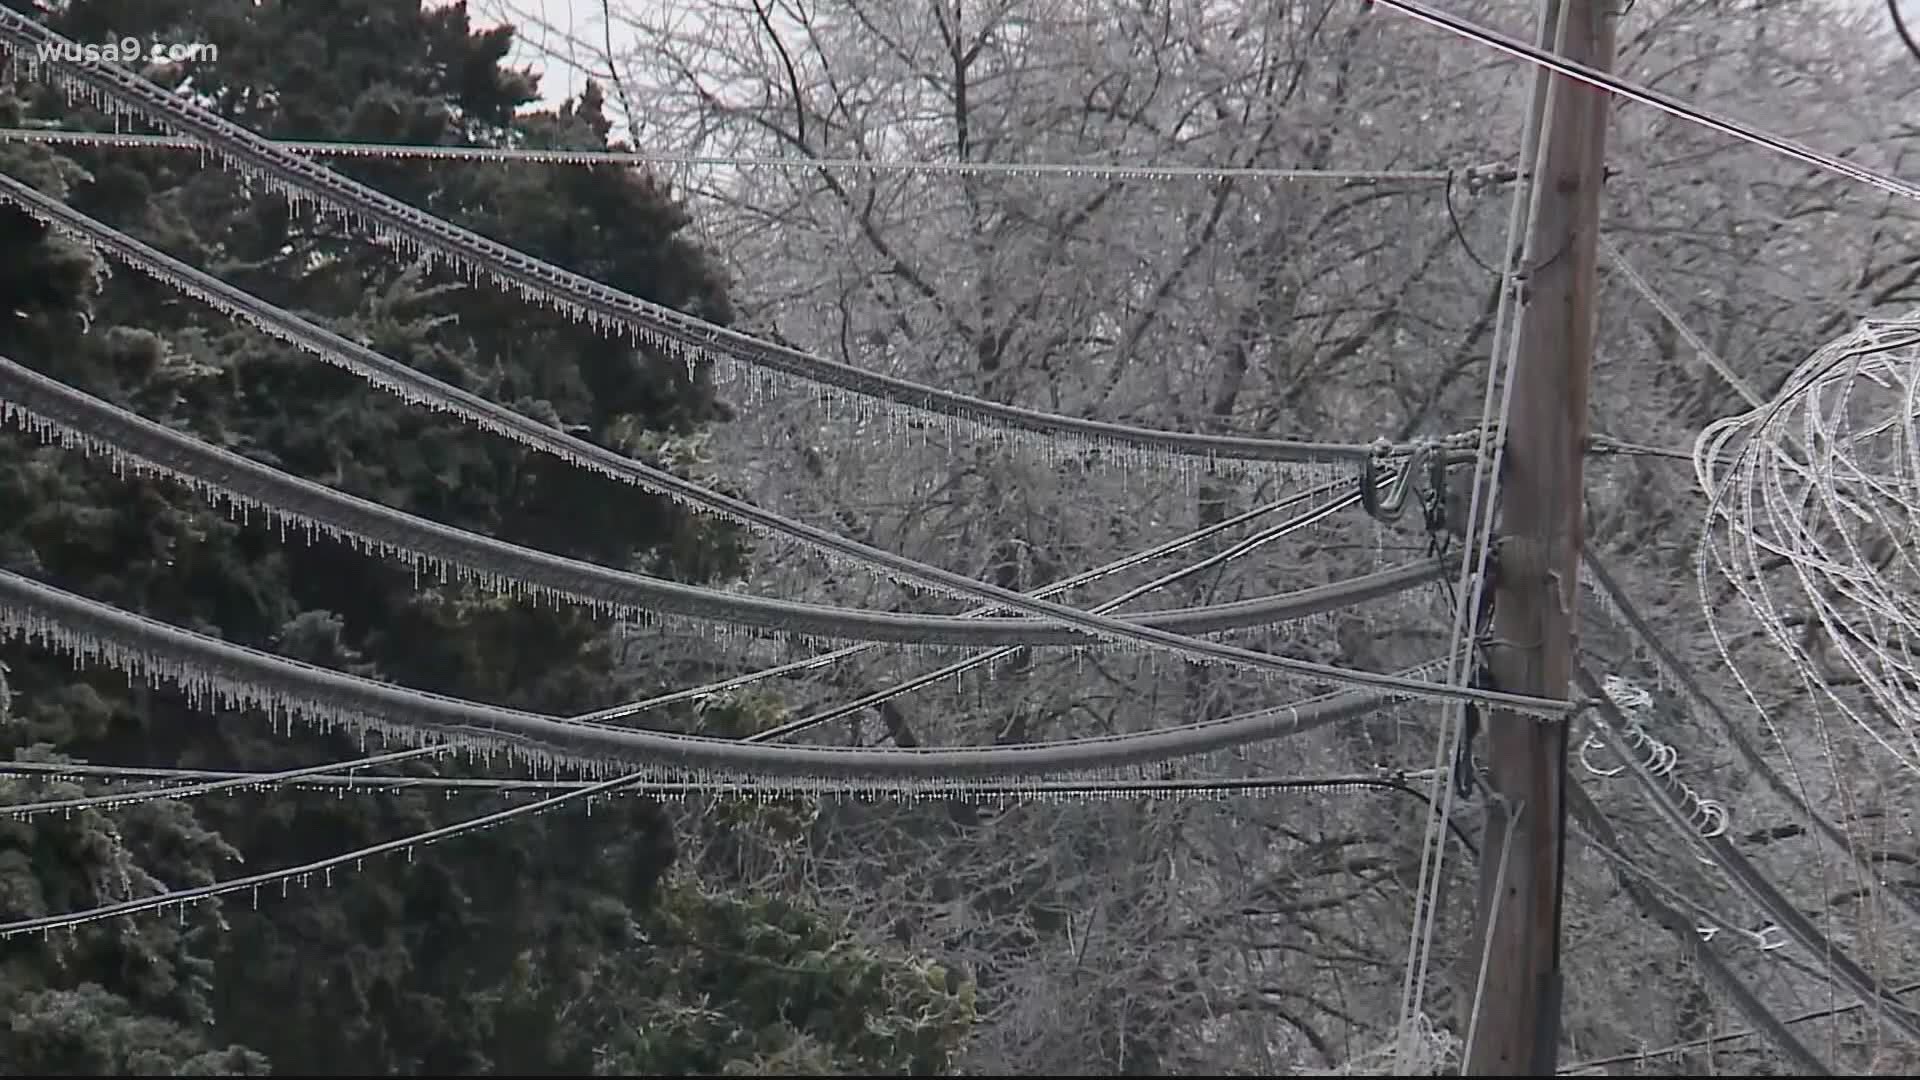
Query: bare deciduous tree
1265 935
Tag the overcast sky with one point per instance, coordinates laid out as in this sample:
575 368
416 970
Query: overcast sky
546 35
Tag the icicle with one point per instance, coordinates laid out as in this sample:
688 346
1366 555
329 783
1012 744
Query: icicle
496 577
398 227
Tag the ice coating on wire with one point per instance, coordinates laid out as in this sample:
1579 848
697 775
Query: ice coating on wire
419 388
536 156
681 336
194 783
1681 806
1815 509
216 673
60 413
1673 674
958 667
814 663
586 793
259 780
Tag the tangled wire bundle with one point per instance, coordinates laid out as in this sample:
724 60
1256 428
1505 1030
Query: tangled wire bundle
1419 1048
1815 521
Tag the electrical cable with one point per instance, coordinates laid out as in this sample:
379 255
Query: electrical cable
420 388
1680 808
182 898
205 781
979 659
1633 92
813 663
529 155
1600 835
55 411
21 810
222 674
1724 1037
1617 601
1900 28
1667 312
409 230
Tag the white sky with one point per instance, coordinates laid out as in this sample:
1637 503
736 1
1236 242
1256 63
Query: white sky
533 43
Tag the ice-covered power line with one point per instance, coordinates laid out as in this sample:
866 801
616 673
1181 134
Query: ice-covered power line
1666 103
216 673
192 783
1682 809
1696 945
131 442
1815 506
1621 610
420 388
848 708
637 783
216 785
1705 352
1085 577
1096 170
415 233
181 898
1708 1042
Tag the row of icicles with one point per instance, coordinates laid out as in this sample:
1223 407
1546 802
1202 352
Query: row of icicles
225 675
419 388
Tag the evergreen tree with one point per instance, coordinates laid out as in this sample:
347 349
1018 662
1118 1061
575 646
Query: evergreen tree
552 945
108 998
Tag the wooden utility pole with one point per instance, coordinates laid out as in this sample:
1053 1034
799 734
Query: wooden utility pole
1517 1031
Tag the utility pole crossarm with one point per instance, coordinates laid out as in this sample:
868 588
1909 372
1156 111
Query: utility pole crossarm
1540 537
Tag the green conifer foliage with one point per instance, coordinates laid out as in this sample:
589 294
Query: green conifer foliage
554 945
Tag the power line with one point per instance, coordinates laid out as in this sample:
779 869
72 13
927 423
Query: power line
418 388
57 412
1672 106
324 866
1607 444
678 335
967 663
1723 1037
1683 810
1670 666
265 779
586 792
533 156
214 671
1698 344
1900 28
1694 945
1085 577
200 782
